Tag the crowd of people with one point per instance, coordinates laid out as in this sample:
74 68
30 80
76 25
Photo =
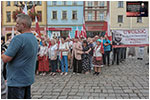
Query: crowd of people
80 54
52 56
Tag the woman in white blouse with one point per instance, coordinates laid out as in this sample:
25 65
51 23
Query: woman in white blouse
43 59
52 51
64 49
97 59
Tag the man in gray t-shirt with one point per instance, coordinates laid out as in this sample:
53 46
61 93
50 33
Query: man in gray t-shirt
21 58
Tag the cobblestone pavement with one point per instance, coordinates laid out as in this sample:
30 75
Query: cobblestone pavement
129 80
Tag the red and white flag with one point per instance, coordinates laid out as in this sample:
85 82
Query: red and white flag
33 9
84 29
80 35
25 11
69 36
108 25
37 27
77 33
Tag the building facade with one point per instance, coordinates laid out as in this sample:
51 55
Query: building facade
118 19
64 17
8 22
95 13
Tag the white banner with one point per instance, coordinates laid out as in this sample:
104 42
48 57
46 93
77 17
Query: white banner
134 37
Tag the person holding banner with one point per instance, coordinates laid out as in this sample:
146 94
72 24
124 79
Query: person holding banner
116 51
141 53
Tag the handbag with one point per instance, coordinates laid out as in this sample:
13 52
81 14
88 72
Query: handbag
40 58
98 58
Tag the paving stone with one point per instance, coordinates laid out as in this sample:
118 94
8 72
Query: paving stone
62 97
111 97
84 97
132 95
46 97
125 81
37 97
80 93
128 91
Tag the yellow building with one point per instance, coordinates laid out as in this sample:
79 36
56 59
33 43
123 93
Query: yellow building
7 16
118 19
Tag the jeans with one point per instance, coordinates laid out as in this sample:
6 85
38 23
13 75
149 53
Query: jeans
53 65
19 92
64 61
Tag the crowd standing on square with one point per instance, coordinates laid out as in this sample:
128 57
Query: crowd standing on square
26 56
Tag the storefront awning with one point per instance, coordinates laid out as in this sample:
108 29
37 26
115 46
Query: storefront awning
96 26
59 29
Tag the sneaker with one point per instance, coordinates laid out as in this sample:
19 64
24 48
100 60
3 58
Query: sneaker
61 73
53 74
78 74
44 74
50 73
37 73
95 73
73 73
59 70
66 74
41 74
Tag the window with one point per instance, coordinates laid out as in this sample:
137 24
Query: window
54 2
74 2
120 18
120 4
64 2
102 3
15 3
74 14
64 14
8 3
101 15
64 33
89 16
54 15
139 19
40 14
39 3
8 13
90 3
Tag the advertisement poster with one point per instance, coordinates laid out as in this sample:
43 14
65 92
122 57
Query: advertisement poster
137 9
